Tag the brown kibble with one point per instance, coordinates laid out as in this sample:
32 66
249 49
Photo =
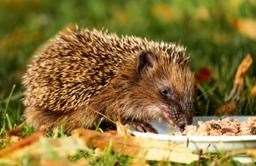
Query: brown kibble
227 126
253 131
215 126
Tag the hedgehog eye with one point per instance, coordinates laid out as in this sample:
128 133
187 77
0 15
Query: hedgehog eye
166 93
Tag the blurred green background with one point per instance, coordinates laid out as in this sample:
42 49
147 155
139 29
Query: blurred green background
217 35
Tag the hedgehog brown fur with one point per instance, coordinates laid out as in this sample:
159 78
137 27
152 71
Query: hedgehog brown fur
83 75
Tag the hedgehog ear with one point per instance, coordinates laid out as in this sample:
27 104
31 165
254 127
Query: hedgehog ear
146 60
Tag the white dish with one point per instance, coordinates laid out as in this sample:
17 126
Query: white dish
204 143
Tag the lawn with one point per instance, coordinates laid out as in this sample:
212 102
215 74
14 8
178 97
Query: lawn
217 35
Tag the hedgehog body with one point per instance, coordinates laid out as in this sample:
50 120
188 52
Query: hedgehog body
82 75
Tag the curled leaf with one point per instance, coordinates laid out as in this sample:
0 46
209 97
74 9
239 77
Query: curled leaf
241 72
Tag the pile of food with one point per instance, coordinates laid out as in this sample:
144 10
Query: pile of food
226 126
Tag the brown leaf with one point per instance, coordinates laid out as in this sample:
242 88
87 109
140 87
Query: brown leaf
21 144
253 90
246 27
143 148
241 72
93 139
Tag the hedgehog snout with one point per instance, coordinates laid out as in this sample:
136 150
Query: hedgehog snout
179 115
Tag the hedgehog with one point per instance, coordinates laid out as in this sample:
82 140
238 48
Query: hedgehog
85 77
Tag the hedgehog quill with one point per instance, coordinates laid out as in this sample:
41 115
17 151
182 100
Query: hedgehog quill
81 75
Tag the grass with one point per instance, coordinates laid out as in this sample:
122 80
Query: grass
207 28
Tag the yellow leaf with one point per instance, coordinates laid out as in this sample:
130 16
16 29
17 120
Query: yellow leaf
253 91
246 27
241 72
243 69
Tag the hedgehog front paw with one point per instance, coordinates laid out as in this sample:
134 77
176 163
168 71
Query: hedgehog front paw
142 127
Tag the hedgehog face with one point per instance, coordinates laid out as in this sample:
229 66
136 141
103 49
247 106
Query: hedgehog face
163 91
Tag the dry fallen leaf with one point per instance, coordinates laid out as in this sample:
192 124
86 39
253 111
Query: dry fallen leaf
21 144
246 27
141 149
253 91
44 151
144 148
229 107
99 140
241 72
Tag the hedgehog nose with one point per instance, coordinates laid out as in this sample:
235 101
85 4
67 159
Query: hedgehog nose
182 125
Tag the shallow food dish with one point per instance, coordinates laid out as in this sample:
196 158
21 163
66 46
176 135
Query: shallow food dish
204 143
